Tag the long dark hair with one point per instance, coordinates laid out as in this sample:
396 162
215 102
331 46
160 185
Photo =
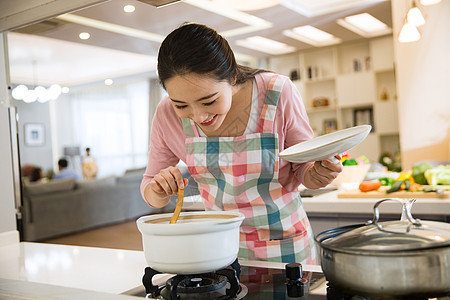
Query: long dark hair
197 48
36 174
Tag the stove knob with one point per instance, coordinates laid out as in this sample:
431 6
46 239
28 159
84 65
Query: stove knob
295 286
294 271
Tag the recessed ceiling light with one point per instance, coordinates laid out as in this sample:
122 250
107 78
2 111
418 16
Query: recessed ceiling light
109 81
429 2
65 90
265 45
129 8
312 35
365 25
112 27
84 35
254 23
247 4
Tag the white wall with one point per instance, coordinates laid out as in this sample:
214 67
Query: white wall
8 231
423 83
36 155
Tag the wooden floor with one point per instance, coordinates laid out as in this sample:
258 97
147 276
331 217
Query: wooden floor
118 236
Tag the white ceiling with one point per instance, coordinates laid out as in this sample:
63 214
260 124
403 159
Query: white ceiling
34 59
123 44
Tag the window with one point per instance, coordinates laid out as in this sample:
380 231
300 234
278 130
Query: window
112 120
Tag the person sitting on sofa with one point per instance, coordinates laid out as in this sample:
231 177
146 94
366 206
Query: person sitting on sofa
64 171
37 175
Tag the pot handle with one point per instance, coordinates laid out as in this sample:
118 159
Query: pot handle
406 212
331 233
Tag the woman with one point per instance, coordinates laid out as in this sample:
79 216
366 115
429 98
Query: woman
89 167
228 123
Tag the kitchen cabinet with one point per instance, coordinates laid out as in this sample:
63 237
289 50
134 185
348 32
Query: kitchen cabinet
327 210
355 89
358 82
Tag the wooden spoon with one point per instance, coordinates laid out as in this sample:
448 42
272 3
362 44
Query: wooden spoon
177 211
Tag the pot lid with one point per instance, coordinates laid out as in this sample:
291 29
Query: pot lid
393 235
406 234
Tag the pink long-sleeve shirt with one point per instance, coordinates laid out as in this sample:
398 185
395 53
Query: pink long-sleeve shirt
291 123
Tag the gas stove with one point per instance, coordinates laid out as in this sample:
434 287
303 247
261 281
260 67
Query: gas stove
251 281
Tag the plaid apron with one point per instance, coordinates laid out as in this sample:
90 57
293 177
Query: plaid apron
241 173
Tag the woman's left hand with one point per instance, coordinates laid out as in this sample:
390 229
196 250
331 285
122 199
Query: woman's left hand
322 173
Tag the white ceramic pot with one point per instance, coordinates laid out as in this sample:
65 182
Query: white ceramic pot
199 242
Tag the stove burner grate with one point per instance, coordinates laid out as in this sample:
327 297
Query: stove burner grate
221 284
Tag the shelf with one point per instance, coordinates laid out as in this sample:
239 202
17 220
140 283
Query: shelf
387 70
353 77
356 105
312 110
319 80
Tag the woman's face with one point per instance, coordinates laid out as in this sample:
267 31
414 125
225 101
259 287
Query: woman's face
201 98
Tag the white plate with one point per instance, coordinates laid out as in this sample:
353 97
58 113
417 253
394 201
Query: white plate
326 146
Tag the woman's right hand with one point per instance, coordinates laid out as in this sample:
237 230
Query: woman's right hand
164 185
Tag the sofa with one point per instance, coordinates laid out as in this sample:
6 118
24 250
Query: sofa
66 206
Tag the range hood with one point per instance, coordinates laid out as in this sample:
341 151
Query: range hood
159 3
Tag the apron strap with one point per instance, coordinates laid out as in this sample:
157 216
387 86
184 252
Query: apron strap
269 108
189 128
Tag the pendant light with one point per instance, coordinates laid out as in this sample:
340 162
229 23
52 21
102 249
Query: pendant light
409 33
39 93
415 16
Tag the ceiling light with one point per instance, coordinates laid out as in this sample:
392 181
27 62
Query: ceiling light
415 17
247 4
43 95
429 2
84 35
30 96
109 81
129 8
19 91
409 33
39 93
312 36
365 25
265 45
254 23
141 34
65 90
315 8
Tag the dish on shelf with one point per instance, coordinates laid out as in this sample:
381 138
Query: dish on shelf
326 146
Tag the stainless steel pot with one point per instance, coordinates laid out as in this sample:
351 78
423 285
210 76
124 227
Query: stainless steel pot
391 258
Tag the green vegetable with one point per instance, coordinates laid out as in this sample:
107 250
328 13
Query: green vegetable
418 173
386 181
438 175
391 163
395 187
350 162
407 184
